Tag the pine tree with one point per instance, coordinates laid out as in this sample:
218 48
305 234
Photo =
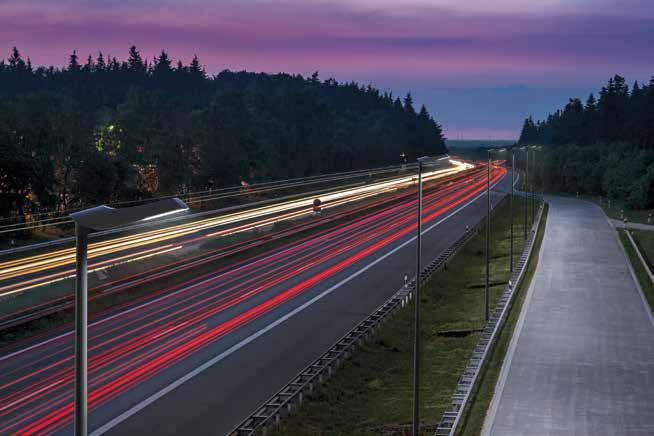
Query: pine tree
135 62
408 104
16 63
99 63
529 133
88 67
73 64
162 66
196 70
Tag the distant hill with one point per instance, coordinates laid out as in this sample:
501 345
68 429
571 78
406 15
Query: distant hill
477 143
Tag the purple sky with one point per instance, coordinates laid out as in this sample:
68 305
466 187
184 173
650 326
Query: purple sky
480 66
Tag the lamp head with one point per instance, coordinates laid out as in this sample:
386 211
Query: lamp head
105 217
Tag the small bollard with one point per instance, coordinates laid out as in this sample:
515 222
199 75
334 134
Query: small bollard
649 219
406 281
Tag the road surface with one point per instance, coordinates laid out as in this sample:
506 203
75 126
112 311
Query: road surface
199 357
582 358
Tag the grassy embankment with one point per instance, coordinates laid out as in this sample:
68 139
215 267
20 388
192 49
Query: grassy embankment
645 242
371 392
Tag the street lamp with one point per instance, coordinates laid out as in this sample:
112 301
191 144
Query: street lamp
488 211
526 190
533 179
512 182
87 221
422 161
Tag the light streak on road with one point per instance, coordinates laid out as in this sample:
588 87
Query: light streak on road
138 344
27 267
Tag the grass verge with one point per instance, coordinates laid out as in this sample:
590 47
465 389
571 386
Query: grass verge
371 392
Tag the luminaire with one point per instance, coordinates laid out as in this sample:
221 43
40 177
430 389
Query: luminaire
87 221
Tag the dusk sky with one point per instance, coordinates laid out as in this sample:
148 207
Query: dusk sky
480 66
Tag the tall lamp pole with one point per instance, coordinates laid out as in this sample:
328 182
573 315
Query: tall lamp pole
512 181
526 190
533 181
488 224
416 319
87 221
81 329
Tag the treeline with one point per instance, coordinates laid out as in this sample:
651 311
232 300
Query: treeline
103 130
604 146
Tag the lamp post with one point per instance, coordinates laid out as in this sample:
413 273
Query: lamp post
533 181
512 181
526 190
488 224
422 161
87 221
488 209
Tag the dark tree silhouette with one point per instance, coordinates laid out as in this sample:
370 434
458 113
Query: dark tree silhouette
113 130
603 147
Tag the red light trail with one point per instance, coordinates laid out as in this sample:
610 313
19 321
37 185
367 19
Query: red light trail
133 346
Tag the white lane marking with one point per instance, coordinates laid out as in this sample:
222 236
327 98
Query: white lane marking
208 364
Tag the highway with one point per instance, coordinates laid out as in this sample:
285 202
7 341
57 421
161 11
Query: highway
196 357
29 272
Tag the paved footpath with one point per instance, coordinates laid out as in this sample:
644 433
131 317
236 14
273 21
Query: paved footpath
581 361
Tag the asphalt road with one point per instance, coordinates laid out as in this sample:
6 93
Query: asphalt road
581 361
259 324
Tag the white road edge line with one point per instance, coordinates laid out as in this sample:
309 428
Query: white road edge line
151 399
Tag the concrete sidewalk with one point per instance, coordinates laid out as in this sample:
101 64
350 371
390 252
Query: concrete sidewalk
582 358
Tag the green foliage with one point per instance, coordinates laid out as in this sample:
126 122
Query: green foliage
147 129
603 147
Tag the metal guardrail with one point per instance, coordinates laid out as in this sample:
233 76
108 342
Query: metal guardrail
640 256
306 382
452 416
